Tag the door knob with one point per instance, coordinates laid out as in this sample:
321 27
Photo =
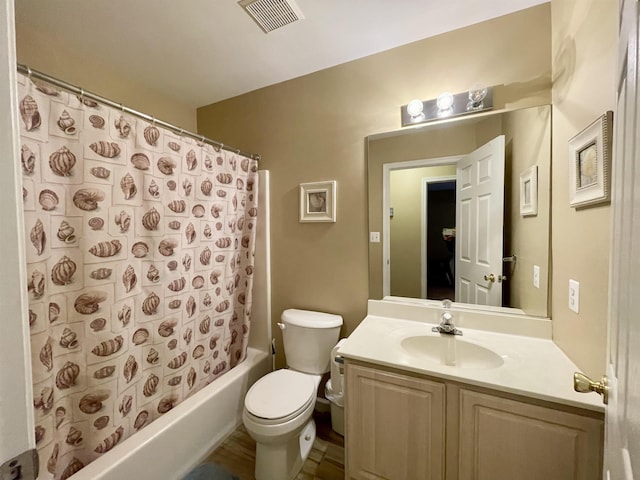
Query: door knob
583 384
490 278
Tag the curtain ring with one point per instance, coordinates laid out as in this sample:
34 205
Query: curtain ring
121 108
181 131
202 138
153 121
29 72
81 95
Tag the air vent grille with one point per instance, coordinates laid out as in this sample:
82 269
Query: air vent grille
272 14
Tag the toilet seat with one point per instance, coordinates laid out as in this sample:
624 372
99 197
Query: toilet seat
280 396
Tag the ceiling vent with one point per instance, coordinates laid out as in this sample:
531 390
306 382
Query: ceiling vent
272 14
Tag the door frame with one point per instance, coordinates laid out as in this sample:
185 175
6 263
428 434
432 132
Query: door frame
424 225
387 168
621 413
16 390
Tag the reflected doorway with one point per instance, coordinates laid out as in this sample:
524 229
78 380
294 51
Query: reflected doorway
440 233
405 227
478 227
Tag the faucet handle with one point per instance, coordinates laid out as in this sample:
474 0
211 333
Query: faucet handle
446 303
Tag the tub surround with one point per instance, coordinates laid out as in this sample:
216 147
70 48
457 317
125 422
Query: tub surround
533 367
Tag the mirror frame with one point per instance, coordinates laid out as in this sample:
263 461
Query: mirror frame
442 142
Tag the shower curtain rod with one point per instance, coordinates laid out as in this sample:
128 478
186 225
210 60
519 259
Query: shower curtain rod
97 98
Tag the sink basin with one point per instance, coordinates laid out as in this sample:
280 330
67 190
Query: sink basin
452 351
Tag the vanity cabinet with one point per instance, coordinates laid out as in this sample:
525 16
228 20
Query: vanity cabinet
395 425
411 427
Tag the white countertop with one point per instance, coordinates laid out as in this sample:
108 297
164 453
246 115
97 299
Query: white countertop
533 367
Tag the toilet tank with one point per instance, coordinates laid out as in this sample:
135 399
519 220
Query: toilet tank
308 338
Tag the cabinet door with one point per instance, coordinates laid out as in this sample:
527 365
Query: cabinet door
395 426
503 439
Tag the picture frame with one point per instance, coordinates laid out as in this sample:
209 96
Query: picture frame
590 163
529 192
318 201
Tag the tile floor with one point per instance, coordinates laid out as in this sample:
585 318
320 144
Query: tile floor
325 461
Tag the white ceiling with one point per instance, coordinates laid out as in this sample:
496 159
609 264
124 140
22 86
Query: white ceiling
204 51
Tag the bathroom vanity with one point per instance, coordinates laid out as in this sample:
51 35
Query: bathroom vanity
495 403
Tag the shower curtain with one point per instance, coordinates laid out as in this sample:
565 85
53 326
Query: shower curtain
139 246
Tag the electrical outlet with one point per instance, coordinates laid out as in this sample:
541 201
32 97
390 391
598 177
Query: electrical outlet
374 237
574 296
536 276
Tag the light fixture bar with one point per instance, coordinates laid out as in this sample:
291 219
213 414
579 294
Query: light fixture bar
459 104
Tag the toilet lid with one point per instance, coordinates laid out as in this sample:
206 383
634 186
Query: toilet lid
279 394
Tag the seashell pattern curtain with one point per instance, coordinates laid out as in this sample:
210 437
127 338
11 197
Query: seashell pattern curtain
140 247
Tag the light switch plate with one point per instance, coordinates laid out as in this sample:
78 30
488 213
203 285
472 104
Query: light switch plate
22 467
574 296
374 237
536 276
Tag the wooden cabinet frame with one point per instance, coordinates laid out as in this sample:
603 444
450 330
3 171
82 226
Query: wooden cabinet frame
396 424
394 433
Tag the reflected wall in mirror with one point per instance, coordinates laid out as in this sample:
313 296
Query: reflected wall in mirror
418 165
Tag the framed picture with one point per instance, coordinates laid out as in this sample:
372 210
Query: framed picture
590 163
529 191
318 201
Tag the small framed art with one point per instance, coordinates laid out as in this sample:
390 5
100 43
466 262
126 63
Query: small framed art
529 191
590 163
318 201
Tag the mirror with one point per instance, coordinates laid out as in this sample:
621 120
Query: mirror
423 159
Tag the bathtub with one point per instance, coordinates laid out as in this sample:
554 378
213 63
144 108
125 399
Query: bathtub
172 445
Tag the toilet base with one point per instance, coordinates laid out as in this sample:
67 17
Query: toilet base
307 438
284 461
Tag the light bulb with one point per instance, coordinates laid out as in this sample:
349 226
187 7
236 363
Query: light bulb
444 102
476 95
414 108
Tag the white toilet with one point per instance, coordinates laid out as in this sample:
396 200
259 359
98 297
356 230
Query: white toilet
278 408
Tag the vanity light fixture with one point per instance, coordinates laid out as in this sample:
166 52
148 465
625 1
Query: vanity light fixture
478 99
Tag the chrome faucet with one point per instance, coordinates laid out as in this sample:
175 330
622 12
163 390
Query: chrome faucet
446 321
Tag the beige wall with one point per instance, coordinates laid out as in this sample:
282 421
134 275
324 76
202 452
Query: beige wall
313 128
529 235
405 227
95 75
584 36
